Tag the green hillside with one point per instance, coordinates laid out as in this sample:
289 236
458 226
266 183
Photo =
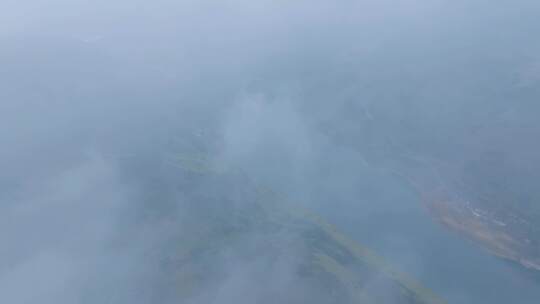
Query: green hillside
240 224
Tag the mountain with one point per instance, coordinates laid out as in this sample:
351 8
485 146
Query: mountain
242 242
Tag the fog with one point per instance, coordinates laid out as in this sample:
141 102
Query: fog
323 102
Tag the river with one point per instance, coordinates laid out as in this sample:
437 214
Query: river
383 212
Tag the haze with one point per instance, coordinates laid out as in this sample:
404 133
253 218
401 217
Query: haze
353 110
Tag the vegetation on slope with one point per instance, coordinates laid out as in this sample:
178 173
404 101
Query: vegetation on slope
247 223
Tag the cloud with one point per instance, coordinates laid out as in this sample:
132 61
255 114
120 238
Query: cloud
306 97
61 238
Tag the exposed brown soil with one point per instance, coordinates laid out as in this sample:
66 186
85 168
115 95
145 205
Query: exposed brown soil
501 236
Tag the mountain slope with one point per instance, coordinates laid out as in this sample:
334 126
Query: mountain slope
245 243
